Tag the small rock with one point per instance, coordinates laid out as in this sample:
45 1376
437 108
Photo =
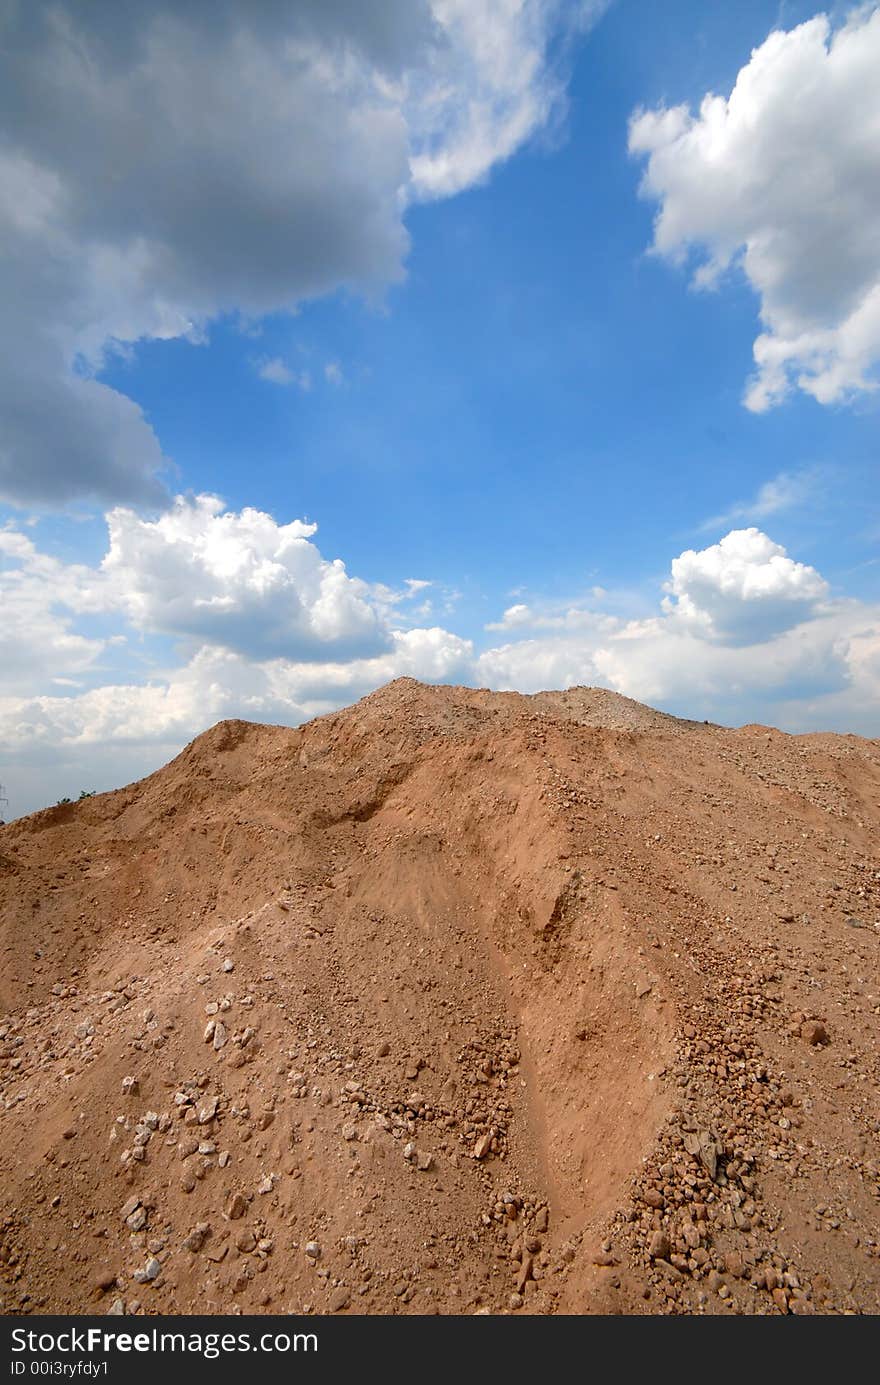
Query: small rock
349 1132
104 1281
814 1032
152 1269
482 1146
129 1086
228 964
245 1241
424 1161
137 1220
658 1246
197 1237
130 1206
313 1250
220 1036
236 1207
339 1299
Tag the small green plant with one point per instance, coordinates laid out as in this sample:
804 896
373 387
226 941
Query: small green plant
83 793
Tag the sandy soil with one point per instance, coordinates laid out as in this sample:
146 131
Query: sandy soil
451 1002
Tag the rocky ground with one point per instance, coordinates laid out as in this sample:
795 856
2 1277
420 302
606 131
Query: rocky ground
452 1002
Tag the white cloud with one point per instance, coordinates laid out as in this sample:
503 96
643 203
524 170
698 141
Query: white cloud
743 589
54 746
37 638
744 631
495 51
548 617
239 580
333 373
163 164
783 179
823 674
788 491
275 632
274 370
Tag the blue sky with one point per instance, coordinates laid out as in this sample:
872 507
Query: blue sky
456 326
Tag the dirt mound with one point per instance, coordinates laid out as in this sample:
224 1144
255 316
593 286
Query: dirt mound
454 1002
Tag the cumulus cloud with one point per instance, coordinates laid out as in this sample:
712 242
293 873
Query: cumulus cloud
743 589
272 631
782 179
548 617
54 745
239 580
823 674
163 164
743 629
39 597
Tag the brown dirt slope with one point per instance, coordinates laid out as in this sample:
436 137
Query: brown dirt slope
451 1002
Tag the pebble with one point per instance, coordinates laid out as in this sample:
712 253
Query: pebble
152 1269
129 1086
197 1237
220 1035
228 964
658 1246
339 1299
814 1032
236 1206
313 1250
208 1111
